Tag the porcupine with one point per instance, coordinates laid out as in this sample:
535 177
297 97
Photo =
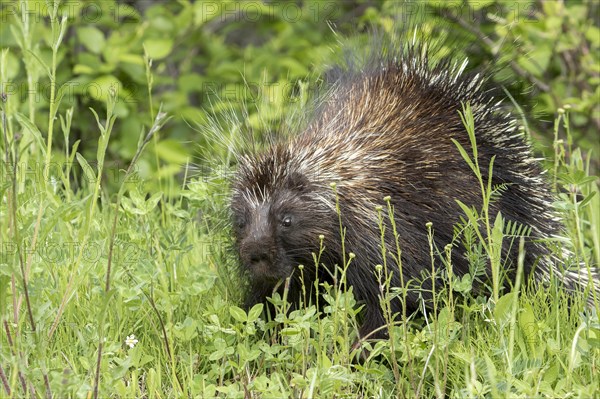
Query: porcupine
384 129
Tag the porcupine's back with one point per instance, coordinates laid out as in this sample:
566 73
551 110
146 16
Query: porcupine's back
385 129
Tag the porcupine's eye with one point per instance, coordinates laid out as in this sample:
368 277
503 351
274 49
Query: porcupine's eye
286 221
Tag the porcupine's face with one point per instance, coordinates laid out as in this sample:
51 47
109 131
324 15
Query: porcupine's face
276 223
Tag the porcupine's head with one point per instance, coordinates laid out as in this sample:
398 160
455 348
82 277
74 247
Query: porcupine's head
278 212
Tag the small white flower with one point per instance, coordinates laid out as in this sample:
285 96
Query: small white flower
131 341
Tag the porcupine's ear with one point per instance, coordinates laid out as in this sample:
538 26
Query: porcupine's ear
297 181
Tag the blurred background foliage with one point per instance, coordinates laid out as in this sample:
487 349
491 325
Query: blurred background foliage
256 59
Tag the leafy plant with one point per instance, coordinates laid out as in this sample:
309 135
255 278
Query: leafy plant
116 273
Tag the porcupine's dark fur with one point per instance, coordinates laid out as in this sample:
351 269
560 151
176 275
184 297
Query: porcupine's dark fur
384 129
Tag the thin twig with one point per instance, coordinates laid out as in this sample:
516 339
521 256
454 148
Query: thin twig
164 332
7 163
11 346
47 383
4 381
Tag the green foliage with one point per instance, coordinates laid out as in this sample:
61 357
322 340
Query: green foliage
207 58
215 59
116 272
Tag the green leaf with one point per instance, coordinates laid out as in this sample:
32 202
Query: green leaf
465 155
238 314
290 331
172 151
479 4
490 174
528 325
587 199
13 65
37 135
100 88
83 361
187 330
135 59
87 169
130 208
81 69
73 151
137 198
497 231
470 213
42 64
92 38
255 312
152 202
468 121
158 48
463 285
503 309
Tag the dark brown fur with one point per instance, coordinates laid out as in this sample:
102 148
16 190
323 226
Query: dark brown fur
383 129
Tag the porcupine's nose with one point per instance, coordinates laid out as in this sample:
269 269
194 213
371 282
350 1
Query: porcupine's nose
258 258
258 253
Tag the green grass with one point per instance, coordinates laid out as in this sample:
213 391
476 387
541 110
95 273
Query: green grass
82 269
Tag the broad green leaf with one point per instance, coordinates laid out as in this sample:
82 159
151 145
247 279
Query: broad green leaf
504 307
158 48
238 314
130 208
172 151
92 38
528 326
152 202
100 88
255 312
290 331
